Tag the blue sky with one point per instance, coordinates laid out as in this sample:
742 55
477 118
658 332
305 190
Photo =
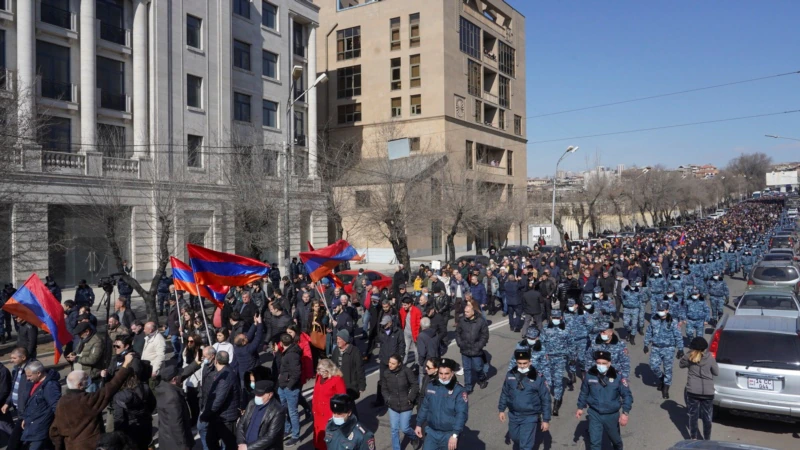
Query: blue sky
583 53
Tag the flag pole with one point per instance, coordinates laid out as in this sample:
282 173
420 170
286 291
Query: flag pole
180 321
205 321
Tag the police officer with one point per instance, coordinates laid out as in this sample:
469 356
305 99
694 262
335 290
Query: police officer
557 342
605 305
675 283
698 314
632 305
526 396
444 410
343 430
534 345
656 288
579 326
718 294
665 337
604 391
748 260
608 341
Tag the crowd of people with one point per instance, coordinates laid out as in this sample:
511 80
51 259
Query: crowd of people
236 377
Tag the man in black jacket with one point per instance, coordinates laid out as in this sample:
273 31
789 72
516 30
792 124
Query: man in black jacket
278 321
221 406
173 327
289 386
347 358
472 335
536 309
261 426
392 342
174 423
26 337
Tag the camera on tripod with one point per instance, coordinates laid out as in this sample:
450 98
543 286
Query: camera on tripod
107 283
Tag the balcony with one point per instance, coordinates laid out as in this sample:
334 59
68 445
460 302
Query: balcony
300 139
505 32
122 167
6 79
58 90
5 11
490 60
57 21
114 34
489 97
115 101
62 162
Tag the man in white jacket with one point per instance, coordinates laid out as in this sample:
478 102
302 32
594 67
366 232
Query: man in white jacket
154 347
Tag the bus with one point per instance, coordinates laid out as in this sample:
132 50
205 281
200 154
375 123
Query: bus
757 194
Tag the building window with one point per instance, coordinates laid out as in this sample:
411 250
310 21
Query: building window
194 27
397 107
269 15
518 125
56 12
110 15
413 30
510 163
470 161
395 67
416 76
350 113
269 64
4 83
299 90
505 92
416 105
194 91
194 146
478 111
242 8
53 65
111 82
111 140
394 34
502 120
299 128
473 78
241 54
56 134
470 38
299 45
270 114
507 62
363 199
348 43
348 81
414 144
241 107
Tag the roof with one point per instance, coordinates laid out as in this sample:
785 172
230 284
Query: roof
769 324
375 171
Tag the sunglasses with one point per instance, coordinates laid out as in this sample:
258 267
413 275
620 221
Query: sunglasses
190 341
117 346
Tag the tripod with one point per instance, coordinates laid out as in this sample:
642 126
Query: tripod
106 300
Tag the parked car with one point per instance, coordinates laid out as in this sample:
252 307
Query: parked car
348 277
781 241
479 259
759 366
775 273
514 250
715 445
768 301
648 231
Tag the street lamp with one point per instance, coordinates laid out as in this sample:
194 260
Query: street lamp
781 137
288 145
570 149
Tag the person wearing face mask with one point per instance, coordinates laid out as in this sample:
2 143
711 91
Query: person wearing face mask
718 294
656 288
676 283
665 337
526 396
557 341
605 304
604 391
677 307
391 342
632 296
579 325
748 261
344 431
261 426
533 344
608 341
698 314
328 384
444 410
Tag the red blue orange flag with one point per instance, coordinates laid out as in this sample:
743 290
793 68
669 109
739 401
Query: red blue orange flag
183 278
223 269
34 303
320 263
683 238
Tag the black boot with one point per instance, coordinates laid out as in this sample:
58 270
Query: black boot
633 338
556 405
661 387
665 391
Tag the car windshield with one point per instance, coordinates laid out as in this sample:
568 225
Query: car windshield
774 302
775 273
743 348
778 257
346 278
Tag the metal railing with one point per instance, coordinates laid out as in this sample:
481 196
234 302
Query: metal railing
57 90
55 16
113 33
63 160
6 79
114 100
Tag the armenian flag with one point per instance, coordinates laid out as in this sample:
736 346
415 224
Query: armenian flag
320 263
224 269
183 278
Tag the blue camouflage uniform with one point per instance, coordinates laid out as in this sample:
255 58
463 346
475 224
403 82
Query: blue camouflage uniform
677 307
697 314
664 336
748 261
557 342
631 308
676 283
444 412
538 353
656 288
718 294
606 306
579 326
619 354
604 395
526 396
350 435
730 261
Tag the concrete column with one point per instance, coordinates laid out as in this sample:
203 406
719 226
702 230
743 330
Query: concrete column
141 135
29 245
26 67
88 37
312 102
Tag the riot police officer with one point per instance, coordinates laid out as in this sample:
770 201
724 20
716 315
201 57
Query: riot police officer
526 396
533 344
718 294
444 410
604 391
343 430
557 342
632 304
608 341
698 314
665 337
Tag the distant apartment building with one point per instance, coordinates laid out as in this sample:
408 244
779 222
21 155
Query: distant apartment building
448 75
699 171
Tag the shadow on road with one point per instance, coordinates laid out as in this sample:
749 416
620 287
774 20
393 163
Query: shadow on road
677 414
754 424
643 372
582 431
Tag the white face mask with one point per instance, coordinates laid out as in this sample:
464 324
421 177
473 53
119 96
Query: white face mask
662 313
716 277
602 368
596 295
556 321
670 295
525 370
441 381
604 337
695 297
338 420
572 308
531 341
259 401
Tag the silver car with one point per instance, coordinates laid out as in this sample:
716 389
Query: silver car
775 273
768 301
759 366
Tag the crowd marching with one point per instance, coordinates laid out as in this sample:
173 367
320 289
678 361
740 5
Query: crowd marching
236 377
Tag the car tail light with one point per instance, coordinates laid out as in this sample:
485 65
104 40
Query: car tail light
715 343
750 282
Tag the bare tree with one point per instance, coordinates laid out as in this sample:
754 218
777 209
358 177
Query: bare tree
752 168
336 160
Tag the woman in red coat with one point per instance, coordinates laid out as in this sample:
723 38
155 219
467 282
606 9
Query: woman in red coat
329 383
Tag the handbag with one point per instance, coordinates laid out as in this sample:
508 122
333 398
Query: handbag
317 336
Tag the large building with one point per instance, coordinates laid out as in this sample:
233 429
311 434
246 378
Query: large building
449 76
139 94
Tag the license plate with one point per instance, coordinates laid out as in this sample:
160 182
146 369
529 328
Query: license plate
760 384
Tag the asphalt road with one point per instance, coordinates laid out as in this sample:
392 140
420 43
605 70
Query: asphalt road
654 423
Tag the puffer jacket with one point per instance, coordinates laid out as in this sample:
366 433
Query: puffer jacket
472 335
700 381
390 344
290 368
270 430
399 388
223 397
133 410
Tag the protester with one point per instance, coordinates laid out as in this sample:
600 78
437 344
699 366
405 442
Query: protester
27 337
40 406
89 355
289 386
329 383
472 335
699 386
347 358
133 408
400 389
174 421
262 424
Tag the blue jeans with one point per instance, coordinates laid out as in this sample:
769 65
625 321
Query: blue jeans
503 299
401 422
470 364
289 399
176 345
202 430
92 386
365 321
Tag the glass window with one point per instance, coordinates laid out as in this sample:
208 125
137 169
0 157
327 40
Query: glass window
55 134
518 125
270 114
299 43
299 90
53 65
348 43
413 30
507 62
111 141
395 67
397 107
110 14
474 78
773 350
510 164
470 162
194 91
502 120
241 107
4 84
414 144
470 38
194 146
349 113
348 81
299 128
242 8
394 33
56 12
194 27
269 64
269 15
416 76
241 54
416 105
111 81
505 92
478 110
